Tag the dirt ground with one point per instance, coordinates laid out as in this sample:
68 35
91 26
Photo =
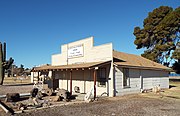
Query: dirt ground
131 105
15 84
25 88
166 103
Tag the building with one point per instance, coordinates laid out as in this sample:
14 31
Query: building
110 72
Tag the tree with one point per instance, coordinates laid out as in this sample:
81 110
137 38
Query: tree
160 36
20 70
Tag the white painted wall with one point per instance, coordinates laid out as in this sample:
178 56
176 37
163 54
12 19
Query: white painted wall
58 59
111 85
81 78
32 77
91 53
85 86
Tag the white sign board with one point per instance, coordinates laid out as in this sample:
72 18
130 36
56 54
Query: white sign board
75 51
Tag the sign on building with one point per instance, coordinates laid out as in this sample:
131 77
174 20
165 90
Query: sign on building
75 51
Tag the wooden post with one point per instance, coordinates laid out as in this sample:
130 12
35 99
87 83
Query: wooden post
71 82
84 81
6 108
38 76
33 76
94 84
141 83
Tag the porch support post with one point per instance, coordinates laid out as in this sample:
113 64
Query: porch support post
38 76
141 83
32 77
94 84
71 82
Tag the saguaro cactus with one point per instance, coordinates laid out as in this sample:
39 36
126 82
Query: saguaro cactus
4 65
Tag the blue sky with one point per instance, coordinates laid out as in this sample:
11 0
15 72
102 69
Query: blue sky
35 29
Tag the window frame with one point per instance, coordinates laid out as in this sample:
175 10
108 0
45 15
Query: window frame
126 78
101 79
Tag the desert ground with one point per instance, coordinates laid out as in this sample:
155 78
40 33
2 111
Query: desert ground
165 103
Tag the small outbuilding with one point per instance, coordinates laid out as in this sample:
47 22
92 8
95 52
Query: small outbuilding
85 66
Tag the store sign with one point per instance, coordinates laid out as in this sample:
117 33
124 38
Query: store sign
75 51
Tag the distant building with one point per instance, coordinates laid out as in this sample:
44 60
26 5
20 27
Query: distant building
86 66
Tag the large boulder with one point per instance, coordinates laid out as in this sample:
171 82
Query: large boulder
12 97
64 94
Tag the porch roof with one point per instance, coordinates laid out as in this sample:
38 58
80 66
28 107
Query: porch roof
70 66
135 61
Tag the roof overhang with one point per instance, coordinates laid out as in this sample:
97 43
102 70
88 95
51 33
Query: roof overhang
89 65
118 64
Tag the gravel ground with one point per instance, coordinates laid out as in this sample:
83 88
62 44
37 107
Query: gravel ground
130 105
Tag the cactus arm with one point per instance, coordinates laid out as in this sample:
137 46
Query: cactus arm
8 63
4 52
1 64
4 65
3 59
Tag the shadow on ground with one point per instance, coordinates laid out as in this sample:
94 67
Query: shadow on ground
171 86
174 79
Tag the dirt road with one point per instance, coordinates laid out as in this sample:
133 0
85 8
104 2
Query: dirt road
21 88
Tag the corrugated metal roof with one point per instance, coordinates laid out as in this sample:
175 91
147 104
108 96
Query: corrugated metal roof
135 61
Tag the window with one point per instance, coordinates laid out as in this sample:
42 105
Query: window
126 78
101 76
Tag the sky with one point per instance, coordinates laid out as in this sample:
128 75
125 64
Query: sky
35 29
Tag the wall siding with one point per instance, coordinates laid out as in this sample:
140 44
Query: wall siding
151 78
118 81
164 82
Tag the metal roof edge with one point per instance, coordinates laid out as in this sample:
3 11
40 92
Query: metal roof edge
142 67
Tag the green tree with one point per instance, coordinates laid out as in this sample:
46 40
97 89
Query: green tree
160 36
